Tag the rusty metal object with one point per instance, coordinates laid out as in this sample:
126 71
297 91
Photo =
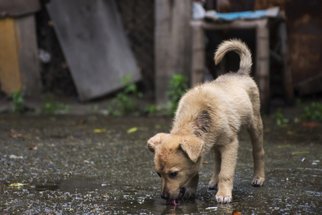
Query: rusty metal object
305 32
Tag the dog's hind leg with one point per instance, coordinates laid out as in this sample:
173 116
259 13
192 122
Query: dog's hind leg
255 130
214 178
256 134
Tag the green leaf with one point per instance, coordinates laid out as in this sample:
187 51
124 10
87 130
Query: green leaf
132 130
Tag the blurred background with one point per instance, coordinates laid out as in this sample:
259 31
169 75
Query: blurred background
130 57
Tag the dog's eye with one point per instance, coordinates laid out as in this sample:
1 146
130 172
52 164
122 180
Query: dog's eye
159 174
173 174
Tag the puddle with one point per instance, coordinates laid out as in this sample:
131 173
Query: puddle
81 184
72 185
44 187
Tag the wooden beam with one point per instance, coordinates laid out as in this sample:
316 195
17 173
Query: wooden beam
238 24
15 8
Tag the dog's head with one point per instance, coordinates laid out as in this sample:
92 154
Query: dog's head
177 161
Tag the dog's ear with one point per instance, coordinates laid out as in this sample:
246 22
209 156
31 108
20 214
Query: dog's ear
192 147
154 141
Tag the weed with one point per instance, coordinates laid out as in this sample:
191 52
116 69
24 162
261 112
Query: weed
51 107
18 102
151 109
126 100
177 87
280 119
130 87
313 111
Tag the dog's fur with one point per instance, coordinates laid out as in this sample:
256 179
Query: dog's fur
208 118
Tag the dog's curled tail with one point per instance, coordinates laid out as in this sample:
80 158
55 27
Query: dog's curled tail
241 49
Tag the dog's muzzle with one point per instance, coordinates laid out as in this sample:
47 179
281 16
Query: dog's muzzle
175 202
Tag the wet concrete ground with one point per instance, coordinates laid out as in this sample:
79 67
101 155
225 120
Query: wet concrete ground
100 165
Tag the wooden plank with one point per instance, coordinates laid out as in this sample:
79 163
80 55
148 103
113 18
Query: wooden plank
15 8
10 78
95 46
238 24
172 43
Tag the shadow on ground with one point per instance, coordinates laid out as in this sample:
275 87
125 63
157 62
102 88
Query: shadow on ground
96 164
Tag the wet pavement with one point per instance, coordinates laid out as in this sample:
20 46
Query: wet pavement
100 165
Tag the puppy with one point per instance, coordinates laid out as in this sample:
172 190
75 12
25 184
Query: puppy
208 119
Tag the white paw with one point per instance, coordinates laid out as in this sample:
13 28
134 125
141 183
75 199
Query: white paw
223 199
258 181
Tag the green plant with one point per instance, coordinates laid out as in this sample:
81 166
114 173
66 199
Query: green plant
18 102
177 87
129 86
313 111
51 107
151 109
280 119
126 100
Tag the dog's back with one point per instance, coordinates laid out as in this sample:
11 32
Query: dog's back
235 93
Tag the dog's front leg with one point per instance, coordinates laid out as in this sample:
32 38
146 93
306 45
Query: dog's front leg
227 170
216 170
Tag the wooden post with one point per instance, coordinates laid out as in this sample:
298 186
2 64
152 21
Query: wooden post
198 54
172 43
10 78
262 62
19 66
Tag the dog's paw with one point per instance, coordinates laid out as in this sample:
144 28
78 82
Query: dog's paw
258 181
223 199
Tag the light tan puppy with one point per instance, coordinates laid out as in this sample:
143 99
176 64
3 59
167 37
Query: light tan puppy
209 118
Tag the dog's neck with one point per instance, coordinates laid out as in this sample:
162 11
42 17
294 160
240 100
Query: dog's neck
187 126
191 125
182 128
